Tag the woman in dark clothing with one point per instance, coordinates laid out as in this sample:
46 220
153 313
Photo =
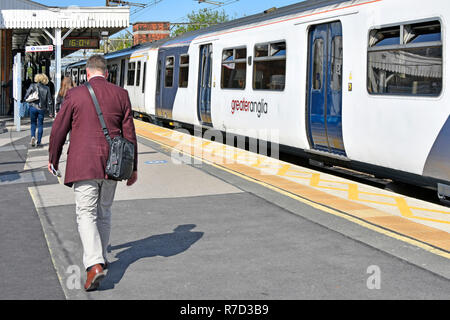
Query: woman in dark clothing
39 106
66 84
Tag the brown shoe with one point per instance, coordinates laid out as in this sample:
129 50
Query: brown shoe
94 276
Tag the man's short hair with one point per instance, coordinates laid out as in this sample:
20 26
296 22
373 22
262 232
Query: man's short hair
96 63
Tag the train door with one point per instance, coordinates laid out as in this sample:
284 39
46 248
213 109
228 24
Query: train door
122 73
204 85
144 83
167 84
75 76
137 90
158 106
324 110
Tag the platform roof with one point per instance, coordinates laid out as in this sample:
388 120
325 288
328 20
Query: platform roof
19 14
29 18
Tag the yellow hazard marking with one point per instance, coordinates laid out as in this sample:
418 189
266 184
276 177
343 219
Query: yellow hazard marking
351 205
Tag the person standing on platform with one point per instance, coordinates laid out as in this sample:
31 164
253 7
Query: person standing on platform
39 106
10 87
87 158
66 84
51 85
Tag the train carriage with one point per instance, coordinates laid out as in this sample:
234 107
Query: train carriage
357 83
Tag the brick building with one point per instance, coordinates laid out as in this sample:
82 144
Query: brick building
150 31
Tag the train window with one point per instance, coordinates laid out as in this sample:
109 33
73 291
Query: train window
113 73
261 50
278 49
138 74
318 64
75 76
131 73
423 32
170 63
336 63
184 71
122 73
385 37
83 76
143 77
234 68
412 67
241 53
158 78
270 66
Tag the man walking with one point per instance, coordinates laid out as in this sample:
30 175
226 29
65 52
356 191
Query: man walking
87 157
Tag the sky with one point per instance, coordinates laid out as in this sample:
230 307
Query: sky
176 10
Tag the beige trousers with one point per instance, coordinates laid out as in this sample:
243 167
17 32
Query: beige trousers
94 199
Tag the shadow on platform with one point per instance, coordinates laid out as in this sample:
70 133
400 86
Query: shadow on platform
164 245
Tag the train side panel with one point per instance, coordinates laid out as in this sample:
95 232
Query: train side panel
395 131
150 82
258 80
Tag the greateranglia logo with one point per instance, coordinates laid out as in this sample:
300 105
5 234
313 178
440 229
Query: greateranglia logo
243 105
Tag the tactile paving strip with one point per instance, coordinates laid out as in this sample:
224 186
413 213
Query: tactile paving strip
426 222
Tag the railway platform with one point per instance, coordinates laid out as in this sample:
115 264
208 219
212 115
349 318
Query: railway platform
211 222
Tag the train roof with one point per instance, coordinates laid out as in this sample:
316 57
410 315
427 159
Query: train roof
186 38
269 14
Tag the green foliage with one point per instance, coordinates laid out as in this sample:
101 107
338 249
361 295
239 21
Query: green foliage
201 19
120 42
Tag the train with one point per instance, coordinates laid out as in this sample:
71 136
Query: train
359 84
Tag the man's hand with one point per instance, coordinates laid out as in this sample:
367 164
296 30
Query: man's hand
53 171
133 179
49 167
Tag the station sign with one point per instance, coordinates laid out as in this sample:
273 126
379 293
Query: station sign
47 48
81 43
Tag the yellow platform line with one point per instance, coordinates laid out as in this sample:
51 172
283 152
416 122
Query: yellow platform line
315 178
427 238
354 192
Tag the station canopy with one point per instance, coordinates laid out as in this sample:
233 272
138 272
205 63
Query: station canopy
34 24
404 62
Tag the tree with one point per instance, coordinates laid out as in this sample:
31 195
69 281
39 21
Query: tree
201 19
120 42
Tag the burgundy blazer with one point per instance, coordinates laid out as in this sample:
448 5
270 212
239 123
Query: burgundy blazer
88 149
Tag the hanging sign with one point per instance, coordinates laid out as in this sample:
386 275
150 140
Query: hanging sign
81 43
48 48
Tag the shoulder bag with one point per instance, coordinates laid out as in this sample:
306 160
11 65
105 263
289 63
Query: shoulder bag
120 162
34 95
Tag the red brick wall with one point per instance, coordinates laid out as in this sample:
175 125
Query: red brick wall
150 31
6 69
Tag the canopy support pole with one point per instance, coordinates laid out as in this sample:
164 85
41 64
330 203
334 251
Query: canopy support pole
57 42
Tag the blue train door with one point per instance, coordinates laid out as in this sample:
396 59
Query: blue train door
122 73
204 84
324 111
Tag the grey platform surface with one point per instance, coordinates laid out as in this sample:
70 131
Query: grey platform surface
197 233
27 271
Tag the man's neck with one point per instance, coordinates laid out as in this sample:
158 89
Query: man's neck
97 75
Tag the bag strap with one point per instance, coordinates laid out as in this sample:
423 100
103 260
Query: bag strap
99 112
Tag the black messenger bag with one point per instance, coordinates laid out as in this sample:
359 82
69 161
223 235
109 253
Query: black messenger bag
120 163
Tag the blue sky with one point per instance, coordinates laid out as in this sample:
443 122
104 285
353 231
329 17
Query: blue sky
176 10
